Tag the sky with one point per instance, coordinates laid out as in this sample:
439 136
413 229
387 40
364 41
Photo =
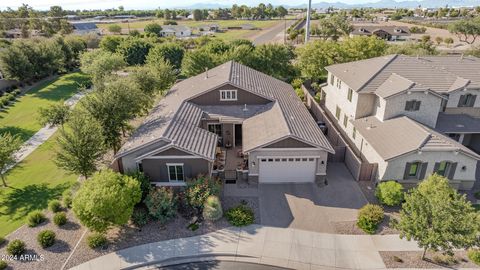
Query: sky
148 4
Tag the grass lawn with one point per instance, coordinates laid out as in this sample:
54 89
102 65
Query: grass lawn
22 117
32 184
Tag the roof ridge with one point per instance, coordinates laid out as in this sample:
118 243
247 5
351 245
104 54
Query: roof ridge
442 68
394 56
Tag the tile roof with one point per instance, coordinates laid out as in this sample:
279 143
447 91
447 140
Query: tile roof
176 120
401 135
391 29
441 74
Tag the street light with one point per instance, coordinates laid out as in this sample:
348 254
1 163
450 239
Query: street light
307 26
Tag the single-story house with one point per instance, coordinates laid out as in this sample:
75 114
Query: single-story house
175 30
390 33
232 122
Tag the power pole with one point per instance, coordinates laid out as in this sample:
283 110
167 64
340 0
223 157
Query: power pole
307 26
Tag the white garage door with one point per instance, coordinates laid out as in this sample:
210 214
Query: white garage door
287 170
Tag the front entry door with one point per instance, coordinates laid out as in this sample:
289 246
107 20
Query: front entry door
238 134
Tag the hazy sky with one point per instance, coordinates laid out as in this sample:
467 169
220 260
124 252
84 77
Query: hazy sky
143 4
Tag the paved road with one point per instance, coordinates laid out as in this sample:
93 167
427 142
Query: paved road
223 265
274 35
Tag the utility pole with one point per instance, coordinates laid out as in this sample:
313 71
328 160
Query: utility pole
307 26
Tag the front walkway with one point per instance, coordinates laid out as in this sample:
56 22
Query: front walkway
283 247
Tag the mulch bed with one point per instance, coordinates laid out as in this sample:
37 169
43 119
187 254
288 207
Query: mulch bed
350 227
413 259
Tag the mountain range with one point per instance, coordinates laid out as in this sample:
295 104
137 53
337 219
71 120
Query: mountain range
378 4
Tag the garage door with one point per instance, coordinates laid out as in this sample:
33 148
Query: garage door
285 170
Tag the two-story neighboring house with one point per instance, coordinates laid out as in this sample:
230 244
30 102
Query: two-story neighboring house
232 122
402 113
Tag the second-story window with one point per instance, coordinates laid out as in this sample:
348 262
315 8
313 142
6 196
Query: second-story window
350 94
412 105
332 79
354 133
339 83
345 120
338 111
467 100
228 95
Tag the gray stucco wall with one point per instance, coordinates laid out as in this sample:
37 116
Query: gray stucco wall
243 97
288 143
156 169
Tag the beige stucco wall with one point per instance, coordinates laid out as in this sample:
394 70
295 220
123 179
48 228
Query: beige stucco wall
454 97
128 161
395 106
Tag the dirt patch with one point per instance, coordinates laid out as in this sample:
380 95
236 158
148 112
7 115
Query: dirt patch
413 259
350 227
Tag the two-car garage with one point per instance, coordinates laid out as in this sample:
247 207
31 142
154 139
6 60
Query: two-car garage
287 169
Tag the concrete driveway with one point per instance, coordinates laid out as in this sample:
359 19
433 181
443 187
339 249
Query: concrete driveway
308 207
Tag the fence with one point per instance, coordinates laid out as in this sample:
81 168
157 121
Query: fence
360 169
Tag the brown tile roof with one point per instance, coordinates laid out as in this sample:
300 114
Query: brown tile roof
402 135
367 30
176 120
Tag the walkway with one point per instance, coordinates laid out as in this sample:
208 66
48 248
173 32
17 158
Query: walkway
283 247
42 135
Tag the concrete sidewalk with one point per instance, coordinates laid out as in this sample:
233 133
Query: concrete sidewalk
284 247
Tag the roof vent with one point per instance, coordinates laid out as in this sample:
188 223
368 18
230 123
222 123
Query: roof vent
460 126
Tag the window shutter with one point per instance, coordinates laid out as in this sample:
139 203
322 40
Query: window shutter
461 101
417 105
472 100
408 105
423 170
435 168
407 170
451 171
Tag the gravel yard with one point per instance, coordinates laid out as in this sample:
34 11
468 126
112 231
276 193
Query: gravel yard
350 227
412 259
119 238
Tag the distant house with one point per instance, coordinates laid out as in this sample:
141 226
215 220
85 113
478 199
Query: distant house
72 17
81 28
175 30
390 33
122 17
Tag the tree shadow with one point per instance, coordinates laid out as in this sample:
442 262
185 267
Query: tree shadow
24 134
21 201
60 89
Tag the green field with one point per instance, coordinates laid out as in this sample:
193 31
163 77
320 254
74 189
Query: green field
32 184
22 117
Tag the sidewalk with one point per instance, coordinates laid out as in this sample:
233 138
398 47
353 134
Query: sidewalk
283 247
42 135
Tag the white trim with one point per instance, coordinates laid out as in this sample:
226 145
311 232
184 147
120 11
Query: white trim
173 157
230 93
153 152
175 165
170 184
253 174
289 149
287 157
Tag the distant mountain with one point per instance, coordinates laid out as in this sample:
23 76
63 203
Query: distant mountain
397 4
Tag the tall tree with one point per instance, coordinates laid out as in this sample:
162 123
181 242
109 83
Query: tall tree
9 144
333 27
54 115
466 30
438 217
99 63
169 51
105 200
153 28
80 145
197 15
134 50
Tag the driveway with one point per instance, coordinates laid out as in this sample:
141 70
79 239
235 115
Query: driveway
308 207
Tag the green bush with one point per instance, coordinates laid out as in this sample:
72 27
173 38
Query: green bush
11 97
67 199
4 101
477 195
16 92
212 210
444 259
46 238
369 217
60 219
145 184
16 247
96 240
474 256
241 215
3 265
161 204
55 206
199 189
34 218
140 217
389 193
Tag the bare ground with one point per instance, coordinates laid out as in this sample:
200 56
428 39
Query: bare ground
413 259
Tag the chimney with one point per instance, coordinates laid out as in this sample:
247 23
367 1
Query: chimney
206 72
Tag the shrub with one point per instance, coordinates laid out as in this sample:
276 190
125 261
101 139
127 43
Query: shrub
35 218
67 199
55 206
16 92
241 215
60 219
140 217
161 204
369 217
474 256
11 97
477 195
389 193
144 181
212 210
445 259
198 190
96 240
3 265
2 241
46 238
16 247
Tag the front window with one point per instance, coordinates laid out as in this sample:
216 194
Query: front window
467 100
345 121
350 94
175 172
337 113
354 133
215 128
339 83
412 105
443 168
332 79
228 95
414 170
